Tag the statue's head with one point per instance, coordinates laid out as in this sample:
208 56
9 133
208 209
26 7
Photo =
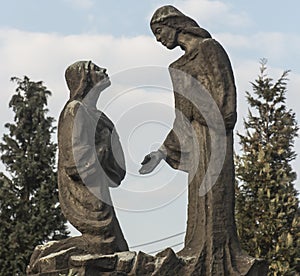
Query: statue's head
82 76
168 21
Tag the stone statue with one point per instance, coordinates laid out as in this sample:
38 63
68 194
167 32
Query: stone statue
200 143
90 154
211 236
90 161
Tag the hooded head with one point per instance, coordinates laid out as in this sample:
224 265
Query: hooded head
83 76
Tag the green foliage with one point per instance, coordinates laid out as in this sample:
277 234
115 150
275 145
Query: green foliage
29 208
267 207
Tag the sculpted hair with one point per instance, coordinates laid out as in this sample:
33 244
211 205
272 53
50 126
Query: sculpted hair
185 25
171 17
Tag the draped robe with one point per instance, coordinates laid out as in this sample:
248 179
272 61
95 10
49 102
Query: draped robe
90 161
211 234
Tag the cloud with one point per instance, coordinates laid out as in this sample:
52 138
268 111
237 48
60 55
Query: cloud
81 4
213 13
280 48
43 56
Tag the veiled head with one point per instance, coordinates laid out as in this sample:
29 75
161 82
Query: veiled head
82 76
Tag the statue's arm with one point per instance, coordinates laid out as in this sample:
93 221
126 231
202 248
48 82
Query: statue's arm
177 146
151 161
78 142
218 81
169 151
110 154
222 82
173 151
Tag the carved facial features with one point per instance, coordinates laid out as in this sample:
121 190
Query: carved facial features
97 75
166 35
82 76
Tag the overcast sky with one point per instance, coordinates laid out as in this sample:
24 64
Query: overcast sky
41 38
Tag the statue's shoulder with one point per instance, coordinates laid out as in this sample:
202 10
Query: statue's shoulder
213 45
209 44
71 108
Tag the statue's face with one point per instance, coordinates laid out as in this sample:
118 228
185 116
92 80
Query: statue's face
166 35
83 75
98 75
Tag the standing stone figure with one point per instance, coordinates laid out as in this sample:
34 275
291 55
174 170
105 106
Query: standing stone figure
90 161
211 237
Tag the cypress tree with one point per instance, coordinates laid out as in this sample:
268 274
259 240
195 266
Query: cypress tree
29 207
267 207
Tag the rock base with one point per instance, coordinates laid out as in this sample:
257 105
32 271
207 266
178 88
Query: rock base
165 263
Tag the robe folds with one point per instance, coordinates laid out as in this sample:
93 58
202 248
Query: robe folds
201 144
91 160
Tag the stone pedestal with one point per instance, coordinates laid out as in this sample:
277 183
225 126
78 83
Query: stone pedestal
165 263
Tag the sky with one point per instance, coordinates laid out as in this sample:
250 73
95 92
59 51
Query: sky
41 39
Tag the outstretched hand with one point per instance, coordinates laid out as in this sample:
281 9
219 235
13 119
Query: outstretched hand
151 161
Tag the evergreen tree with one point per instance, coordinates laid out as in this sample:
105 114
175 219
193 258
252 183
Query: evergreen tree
267 207
29 208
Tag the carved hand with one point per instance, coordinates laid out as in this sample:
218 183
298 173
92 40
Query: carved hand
151 161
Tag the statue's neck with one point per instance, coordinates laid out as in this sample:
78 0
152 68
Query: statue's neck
188 42
91 98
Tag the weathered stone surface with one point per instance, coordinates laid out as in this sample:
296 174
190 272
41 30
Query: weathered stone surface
201 144
98 262
90 161
165 263
169 264
144 264
125 261
53 262
257 268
